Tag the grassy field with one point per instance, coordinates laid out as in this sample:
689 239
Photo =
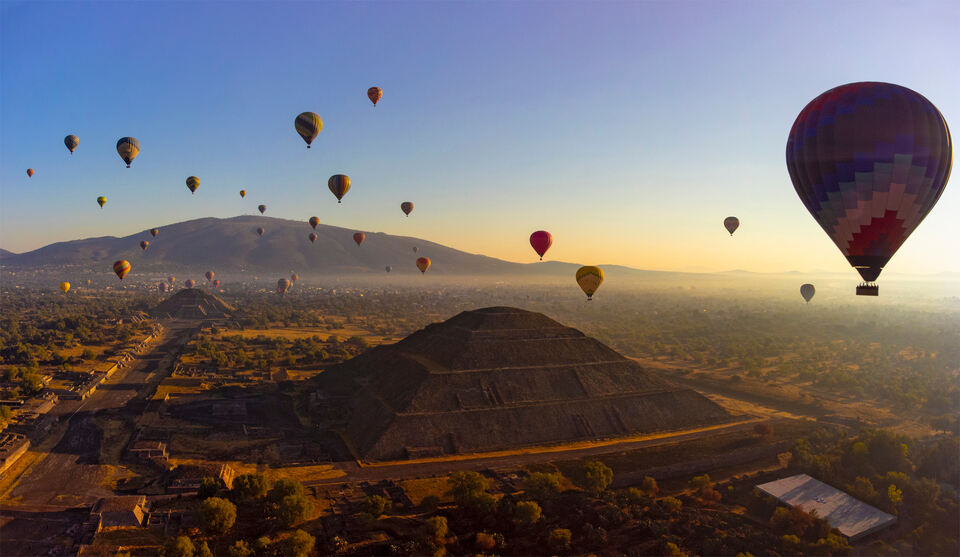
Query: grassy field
420 488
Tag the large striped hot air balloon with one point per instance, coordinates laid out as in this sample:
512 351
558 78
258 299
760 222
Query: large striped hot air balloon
339 185
121 268
374 94
193 183
71 141
541 240
423 264
869 160
407 207
308 125
731 224
359 237
589 278
128 148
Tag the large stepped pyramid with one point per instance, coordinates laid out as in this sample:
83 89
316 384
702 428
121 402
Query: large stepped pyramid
500 378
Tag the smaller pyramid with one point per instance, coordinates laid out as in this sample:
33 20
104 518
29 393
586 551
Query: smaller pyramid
192 303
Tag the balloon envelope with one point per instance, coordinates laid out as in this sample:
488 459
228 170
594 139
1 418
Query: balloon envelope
260 231
541 240
731 224
189 283
162 287
121 268
869 161
193 183
294 277
339 185
262 209
65 286
172 279
807 291
128 148
589 278
243 193
71 141
313 237
407 207
30 172
216 283
423 264
283 285
308 125
359 237
154 232
144 244
101 201
314 221
209 275
388 268
374 94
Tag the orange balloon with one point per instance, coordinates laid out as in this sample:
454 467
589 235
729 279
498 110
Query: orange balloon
423 264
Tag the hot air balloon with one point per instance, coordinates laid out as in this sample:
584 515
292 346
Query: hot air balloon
71 141
359 237
283 285
209 275
193 183
260 231
339 184
388 268
541 240
374 94
589 278
65 286
308 125
869 161
294 277
163 287
313 237
144 245
128 148
807 291
101 201
415 249
121 268
423 264
154 232
216 283
407 207
189 283
731 224
262 209
172 279
243 193
314 221
30 172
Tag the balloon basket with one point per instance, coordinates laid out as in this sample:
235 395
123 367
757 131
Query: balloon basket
866 289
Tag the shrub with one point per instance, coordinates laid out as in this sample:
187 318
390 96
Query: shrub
527 512
217 515
559 539
594 477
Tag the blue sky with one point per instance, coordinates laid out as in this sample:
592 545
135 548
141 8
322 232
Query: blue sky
627 129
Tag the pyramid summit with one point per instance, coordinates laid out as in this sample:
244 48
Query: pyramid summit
192 303
500 378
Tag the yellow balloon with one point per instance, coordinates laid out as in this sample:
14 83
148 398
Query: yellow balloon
589 278
65 286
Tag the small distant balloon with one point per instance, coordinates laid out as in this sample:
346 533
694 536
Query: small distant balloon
374 94
359 237
71 141
193 183
154 232
262 209
407 207
30 172
731 224
283 285
313 237
589 278
294 277
807 291
101 201
216 283
388 268
144 245
423 264
163 287
128 148
243 193
260 231
339 185
209 275
65 286
314 221
415 249
172 279
541 240
189 283
308 125
121 268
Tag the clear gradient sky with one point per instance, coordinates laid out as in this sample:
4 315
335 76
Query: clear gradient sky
627 129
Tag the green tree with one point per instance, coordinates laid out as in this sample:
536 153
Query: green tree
375 505
180 546
895 497
240 549
208 487
217 515
699 482
559 539
792 521
293 509
834 544
261 545
297 544
593 477
649 486
247 487
204 550
527 512
466 486
542 486
671 504
485 542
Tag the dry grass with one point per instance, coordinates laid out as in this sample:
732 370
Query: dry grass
420 488
12 476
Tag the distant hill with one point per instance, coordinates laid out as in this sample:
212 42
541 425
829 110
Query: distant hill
232 245
4 253
501 378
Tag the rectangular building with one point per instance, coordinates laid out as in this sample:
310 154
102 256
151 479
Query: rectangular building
854 518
